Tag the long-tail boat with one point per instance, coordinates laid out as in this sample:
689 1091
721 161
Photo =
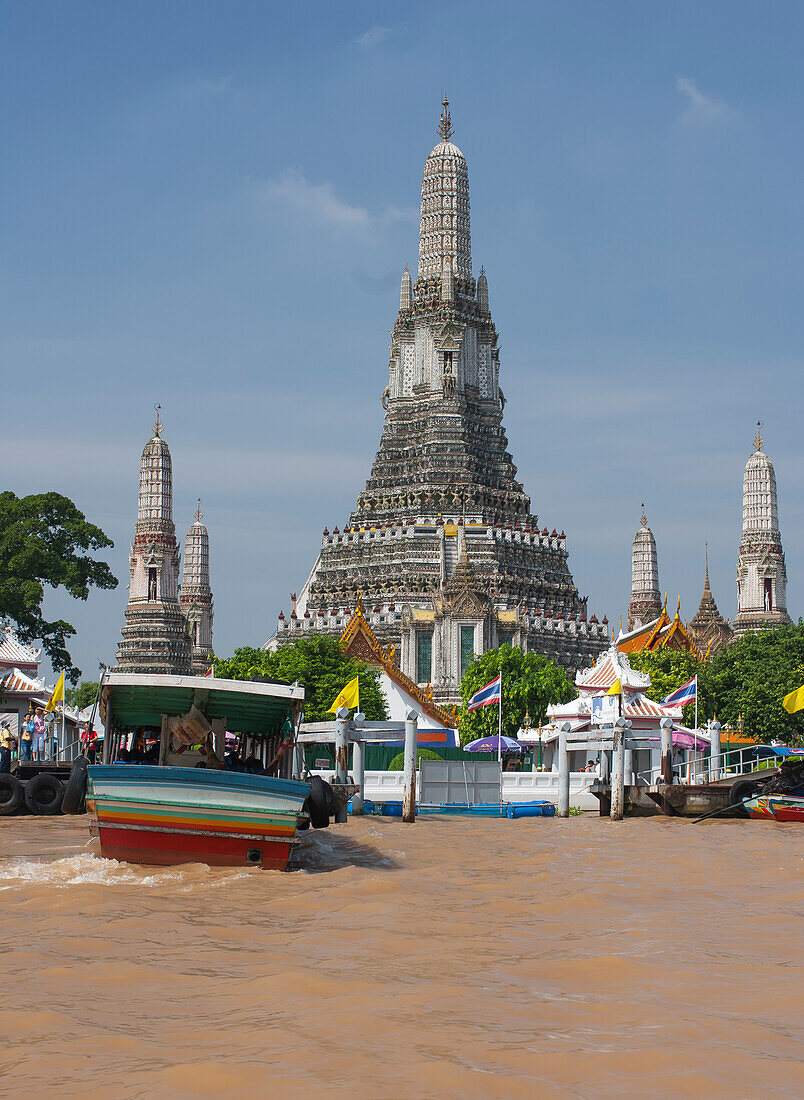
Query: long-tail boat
186 804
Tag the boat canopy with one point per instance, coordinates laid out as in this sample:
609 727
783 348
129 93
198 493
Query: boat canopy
132 699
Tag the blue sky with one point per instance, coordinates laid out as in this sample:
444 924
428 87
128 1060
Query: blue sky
209 205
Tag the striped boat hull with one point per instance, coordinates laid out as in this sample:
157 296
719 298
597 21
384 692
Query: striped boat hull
221 819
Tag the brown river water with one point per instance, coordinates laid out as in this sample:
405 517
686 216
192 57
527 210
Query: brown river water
450 958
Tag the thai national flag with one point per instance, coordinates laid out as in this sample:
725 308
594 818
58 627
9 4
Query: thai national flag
491 693
687 693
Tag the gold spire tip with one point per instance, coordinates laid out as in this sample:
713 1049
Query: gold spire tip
157 423
758 440
445 129
644 520
199 515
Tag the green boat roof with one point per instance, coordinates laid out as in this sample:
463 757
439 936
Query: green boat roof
249 706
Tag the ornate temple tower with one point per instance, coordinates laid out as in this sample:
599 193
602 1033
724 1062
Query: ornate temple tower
646 599
154 638
761 573
196 594
442 545
708 628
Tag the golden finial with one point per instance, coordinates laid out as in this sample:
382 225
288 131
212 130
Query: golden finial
157 423
199 515
758 440
445 125
678 607
644 520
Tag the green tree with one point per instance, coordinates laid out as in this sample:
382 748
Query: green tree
46 540
530 683
750 678
669 669
320 664
83 695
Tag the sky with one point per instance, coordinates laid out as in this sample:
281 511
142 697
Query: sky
208 205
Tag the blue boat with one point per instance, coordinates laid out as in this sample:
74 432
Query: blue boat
510 810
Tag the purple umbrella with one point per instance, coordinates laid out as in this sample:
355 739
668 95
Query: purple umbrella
492 744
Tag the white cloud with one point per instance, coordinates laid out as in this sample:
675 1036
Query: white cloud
373 36
319 203
702 109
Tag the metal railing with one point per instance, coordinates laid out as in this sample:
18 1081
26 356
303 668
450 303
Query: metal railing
706 769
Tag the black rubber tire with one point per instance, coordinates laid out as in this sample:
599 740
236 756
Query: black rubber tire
12 795
317 802
741 790
75 793
43 794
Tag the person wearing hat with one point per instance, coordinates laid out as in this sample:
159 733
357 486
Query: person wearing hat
6 745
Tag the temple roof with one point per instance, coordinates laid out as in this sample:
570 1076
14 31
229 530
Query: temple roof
13 652
612 666
660 633
359 639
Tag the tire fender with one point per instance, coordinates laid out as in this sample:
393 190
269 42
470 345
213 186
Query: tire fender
76 790
43 794
12 795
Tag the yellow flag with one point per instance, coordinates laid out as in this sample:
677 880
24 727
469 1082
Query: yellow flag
58 694
794 701
349 697
615 689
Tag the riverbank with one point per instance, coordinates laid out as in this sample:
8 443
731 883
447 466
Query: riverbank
451 958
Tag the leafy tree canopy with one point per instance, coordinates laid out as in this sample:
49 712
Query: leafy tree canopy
320 664
83 695
669 669
750 678
530 684
46 540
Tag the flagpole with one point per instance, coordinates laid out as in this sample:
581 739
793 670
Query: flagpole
499 738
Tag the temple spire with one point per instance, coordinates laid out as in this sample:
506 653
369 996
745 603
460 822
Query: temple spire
444 232
706 572
445 125
758 440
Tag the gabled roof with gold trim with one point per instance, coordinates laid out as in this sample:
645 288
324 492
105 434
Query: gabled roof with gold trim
661 633
359 640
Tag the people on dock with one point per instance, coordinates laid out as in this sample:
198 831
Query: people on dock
26 738
39 734
6 748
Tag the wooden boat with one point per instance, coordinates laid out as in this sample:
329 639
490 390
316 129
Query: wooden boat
779 807
189 804
154 815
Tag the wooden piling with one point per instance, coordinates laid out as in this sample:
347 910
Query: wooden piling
341 757
359 776
618 775
409 788
563 771
666 726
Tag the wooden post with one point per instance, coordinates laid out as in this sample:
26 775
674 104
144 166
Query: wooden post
359 775
618 773
409 785
164 741
107 729
714 750
563 771
341 757
666 774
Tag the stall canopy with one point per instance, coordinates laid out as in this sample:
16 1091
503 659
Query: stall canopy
249 706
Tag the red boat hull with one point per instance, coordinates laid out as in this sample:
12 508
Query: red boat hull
157 848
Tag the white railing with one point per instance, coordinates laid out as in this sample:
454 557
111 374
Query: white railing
517 787
702 769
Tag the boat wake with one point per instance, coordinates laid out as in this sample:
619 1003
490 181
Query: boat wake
330 851
89 869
